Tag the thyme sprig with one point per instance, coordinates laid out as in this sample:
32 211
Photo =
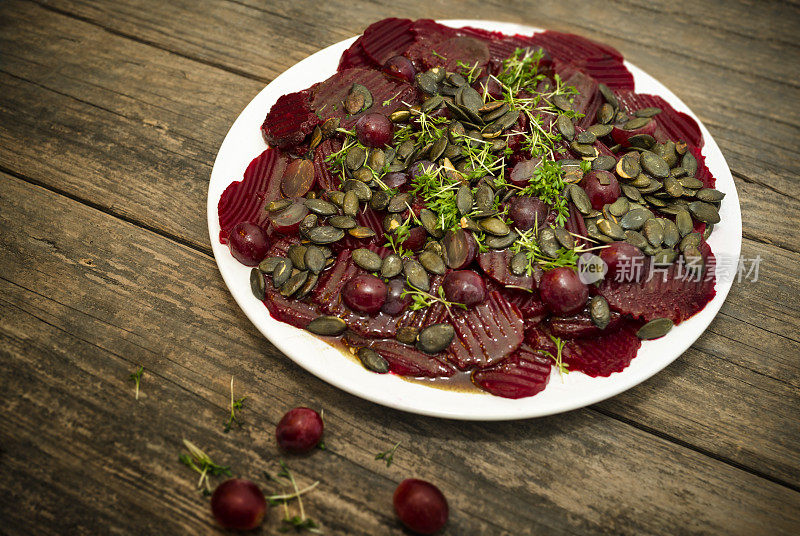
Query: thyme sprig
388 455
298 522
200 462
563 368
235 405
136 378
421 299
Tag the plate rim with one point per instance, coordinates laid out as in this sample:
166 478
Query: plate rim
445 403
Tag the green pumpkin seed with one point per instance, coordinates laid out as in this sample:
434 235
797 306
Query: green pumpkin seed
665 256
691 182
654 165
257 283
548 242
628 167
635 219
608 95
671 234
562 102
494 226
672 187
464 200
407 334
704 212
329 127
600 130
426 83
647 112
354 103
268 265
484 198
432 262
604 162
321 207
605 114
654 232
564 238
586 137
329 326
366 259
372 360
361 232
580 198
519 263
377 159
636 123
683 220
282 272
565 127
588 151
631 193
391 266
392 222
600 312
430 222
293 284
708 230
278 205
496 113
611 229
416 275
350 204
360 188
379 201
654 329
307 287
435 338
619 207
432 103
635 238
342 222
314 259
325 234
399 203
691 240
689 163
336 197
356 157
296 254
501 242
693 260
709 195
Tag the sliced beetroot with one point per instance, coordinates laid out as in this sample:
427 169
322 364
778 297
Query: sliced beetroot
703 173
365 218
296 313
485 333
609 71
574 48
496 264
245 200
575 224
289 120
387 38
524 373
405 360
459 49
674 125
668 294
326 179
355 56
581 326
622 136
588 99
594 356
328 292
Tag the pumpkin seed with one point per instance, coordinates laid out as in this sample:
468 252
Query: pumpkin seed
709 195
635 238
580 198
336 197
355 158
308 223
519 263
635 219
307 287
329 127
377 159
683 220
354 103
362 190
407 334
282 272
689 163
604 162
432 103
399 203
548 242
296 254
366 259
586 137
671 234
647 112
330 326
690 182
501 242
600 130
564 238
605 114
496 113
673 187
435 338
342 222
392 222
628 167
391 266
658 327
665 256
619 207
708 230
631 193
269 264
314 259
426 83
691 240
704 212
566 127
278 205
654 165
416 275
293 284
610 228
600 312
321 207
469 98
372 360
484 198
325 234
494 226
350 204
438 73
562 102
654 232
469 224
636 123
588 151
400 116
608 95
464 200
693 260
432 262
257 283
681 147
431 222
361 232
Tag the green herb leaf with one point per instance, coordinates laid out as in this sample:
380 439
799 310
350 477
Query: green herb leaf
388 455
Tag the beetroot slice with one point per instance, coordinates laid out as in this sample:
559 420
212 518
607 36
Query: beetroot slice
485 333
387 38
523 373
326 179
328 292
495 264
703 173
293 312
289 120
667 294
588 99
674 125
581 326
355 56
244 200
594 356
405 360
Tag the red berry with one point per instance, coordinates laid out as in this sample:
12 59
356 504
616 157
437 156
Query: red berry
395 301
374 130
562 291
300 430
601 187
238 504
624 260
248 243
420 506
365 293
464 286
525 212
400 67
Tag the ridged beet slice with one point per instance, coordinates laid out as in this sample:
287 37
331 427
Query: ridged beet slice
581 326
355 56
666 294
524 373
387 38
405 360
588 99
594 356
485 333
460 48
574 48
366 218
326 179
675 125
496 264
327 98
609 71
428 34
244 200
703 173
328 292
289 120
294 312
528 303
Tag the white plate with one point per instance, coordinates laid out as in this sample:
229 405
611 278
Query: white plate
244 142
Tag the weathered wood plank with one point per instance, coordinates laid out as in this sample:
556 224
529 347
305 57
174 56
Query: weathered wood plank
70 342
157 112
127 138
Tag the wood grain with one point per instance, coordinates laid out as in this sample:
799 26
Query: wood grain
116 109
71 348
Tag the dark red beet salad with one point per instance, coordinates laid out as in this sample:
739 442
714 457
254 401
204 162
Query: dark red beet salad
461 201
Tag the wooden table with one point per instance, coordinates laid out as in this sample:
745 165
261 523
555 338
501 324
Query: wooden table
111 113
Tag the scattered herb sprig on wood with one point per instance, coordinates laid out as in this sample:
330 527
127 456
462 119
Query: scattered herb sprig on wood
200 462
235 405
298 522
136 378
388 455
